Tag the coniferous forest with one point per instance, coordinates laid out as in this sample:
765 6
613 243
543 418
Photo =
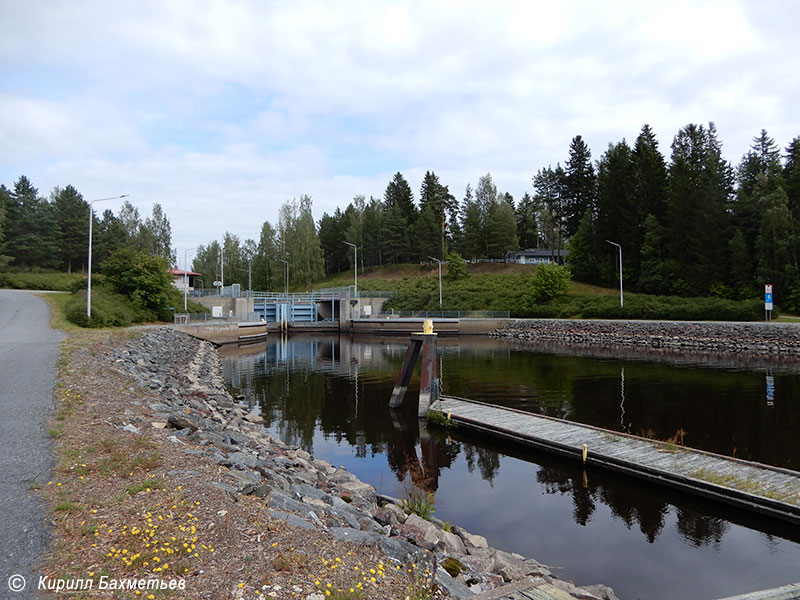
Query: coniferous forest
689 223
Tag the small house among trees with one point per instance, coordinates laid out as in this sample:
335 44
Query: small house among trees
537 256
183 280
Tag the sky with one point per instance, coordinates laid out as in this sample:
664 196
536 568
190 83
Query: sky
221 111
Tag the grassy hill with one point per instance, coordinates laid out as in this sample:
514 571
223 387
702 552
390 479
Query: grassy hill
507 287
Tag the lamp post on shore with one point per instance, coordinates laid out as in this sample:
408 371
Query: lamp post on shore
440 280
186 277
286 280
355 266
621 301
89 262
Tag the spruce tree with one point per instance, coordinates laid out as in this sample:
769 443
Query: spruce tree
72 213
580 184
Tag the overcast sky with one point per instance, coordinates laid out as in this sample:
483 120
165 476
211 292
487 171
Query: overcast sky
220 111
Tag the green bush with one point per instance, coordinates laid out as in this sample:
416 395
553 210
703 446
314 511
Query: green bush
550 281
108 309
456 269
144 279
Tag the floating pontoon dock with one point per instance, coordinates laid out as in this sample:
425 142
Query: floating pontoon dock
765 489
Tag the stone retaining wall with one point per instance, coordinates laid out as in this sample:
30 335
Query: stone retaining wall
776 339
185 376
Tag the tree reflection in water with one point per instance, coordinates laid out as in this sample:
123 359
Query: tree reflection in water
334 393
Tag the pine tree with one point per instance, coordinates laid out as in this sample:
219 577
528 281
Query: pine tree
763 159
300 242
658 272
109 236
700 188
332 233
550 197
501 229
394 235
617 216
527 227
580 184
207 262
31 228
5 200
267 271
398 193
155 235
427 234
471 226
373 225
649 177
442 204
71 212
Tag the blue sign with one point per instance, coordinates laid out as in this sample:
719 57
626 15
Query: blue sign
768 298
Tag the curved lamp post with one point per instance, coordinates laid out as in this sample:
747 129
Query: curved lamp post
186 277
355 266
440 280
89 269
621 301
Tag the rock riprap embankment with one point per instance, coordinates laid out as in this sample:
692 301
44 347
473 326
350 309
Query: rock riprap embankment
190 395
738 338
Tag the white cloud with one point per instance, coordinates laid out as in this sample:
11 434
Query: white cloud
222 110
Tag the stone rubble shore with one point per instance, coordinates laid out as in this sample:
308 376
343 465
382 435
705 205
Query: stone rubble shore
773 339
184 375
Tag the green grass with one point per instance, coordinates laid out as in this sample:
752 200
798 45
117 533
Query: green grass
501 287
419 503
146 486
44 280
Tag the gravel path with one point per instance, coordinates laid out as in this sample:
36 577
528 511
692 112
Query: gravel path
28 354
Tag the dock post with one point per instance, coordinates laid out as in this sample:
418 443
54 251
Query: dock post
429 375
429 378
401 386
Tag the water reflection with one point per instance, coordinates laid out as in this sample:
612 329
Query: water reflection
330 396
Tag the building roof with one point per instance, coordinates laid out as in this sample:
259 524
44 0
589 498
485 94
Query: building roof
180 272
539 252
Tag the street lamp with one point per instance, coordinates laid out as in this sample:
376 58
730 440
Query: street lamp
286 262
440 280
621 301
222 267
186 277
355 265
89 279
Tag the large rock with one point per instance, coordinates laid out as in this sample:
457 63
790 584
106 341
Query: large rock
455 588
471 540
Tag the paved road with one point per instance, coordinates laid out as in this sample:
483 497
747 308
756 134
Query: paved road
28 354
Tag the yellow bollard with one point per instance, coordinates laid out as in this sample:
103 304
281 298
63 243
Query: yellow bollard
427 326
449 412
585 453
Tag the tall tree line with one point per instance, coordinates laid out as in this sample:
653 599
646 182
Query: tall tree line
291 248
693 225
52 233
397 229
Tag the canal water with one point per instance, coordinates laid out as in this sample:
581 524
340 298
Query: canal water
330 396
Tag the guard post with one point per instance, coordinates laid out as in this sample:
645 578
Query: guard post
429 376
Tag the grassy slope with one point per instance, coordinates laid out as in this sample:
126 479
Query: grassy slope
501 287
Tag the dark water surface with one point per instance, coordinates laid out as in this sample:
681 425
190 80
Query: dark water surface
330 396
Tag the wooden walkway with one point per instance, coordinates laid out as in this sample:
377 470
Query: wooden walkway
768 490
528 589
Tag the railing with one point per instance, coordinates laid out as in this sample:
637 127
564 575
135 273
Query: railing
442 314
322 294
206 318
